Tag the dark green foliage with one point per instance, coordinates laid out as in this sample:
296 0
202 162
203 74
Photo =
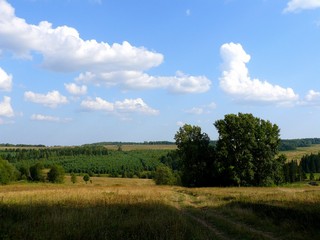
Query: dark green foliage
24 172
36 173
246 150
17 154
311 176
73 178
311 163
292 144
86 178
8 172
164 176
172 159
115 163
56 174
196 156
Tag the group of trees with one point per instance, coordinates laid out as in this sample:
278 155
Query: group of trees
298 170
244 155
310 163
34 173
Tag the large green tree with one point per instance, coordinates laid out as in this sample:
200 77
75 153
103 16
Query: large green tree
196 156
246 150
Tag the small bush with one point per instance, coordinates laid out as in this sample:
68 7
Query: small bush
164 176
73 178
36 173
86 178
56 174
8 172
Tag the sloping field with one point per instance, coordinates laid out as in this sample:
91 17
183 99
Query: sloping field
113 208
301 151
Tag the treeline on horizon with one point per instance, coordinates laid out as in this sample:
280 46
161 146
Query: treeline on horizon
246 154
285 144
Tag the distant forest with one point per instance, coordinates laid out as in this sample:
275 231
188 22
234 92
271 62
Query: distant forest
285 144
293 144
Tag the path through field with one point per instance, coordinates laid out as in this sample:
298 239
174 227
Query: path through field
220 225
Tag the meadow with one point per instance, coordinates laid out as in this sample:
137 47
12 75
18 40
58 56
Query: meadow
120 208
301 151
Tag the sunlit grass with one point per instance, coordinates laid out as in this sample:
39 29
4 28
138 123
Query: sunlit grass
115 208
301 151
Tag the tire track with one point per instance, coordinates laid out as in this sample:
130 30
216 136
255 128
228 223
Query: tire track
204 221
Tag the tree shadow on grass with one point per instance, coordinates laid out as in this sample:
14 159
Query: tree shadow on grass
263 220
148 220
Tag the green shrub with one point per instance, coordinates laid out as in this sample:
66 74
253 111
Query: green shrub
36 173
86 178
8 172
164 176
56 174
73 178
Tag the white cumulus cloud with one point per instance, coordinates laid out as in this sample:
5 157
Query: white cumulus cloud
51 99
101 63
64 50
236 81
313 96
180 83
98 104
205 109
299 5
125 106
195 110
74 89
40 117
48 118
5 81
6 108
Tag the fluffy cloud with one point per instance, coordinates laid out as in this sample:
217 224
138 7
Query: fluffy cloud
126 106
180 83
236 81
203 109
97 105
298 5
51 99
74 89
40 117
5 81
313 96
64 50
5 108
311 99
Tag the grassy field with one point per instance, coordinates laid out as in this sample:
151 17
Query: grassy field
114 208
301 151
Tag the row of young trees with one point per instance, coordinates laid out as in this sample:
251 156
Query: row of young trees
17 154
244 155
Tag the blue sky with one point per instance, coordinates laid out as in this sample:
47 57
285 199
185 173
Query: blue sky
83 71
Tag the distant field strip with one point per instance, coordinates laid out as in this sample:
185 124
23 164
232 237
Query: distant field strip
301 151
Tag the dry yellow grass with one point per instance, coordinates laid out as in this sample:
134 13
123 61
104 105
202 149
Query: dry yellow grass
225 212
